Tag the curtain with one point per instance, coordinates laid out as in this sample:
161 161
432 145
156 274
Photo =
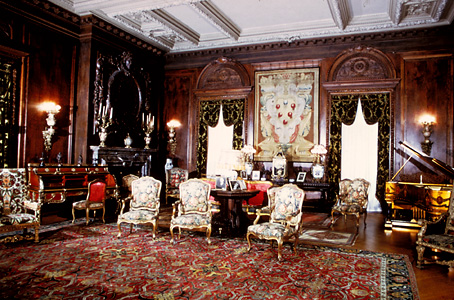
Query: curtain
375 108
233 114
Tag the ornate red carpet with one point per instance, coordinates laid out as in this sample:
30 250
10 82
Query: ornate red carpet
89 262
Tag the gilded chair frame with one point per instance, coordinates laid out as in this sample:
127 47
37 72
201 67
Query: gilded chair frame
17 212
443 242
142 211
343 202
182 209
88 205
286 218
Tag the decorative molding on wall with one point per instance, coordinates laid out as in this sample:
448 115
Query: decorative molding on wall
223 73
361 63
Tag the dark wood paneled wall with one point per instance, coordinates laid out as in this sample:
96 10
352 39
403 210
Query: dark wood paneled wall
423 62
58 51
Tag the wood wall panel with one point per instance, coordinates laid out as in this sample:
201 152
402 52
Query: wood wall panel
179 104
427 88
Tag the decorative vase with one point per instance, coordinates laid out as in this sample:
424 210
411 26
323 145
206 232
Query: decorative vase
128 141
248 167
169 164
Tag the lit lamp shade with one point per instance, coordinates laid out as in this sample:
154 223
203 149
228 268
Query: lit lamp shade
230 160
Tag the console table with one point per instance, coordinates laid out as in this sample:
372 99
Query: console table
232 208
323 204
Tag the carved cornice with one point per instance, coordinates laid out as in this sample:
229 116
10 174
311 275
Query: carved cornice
49 8
223 73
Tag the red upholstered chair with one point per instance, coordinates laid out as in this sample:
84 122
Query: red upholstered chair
174 177
260 199
96 199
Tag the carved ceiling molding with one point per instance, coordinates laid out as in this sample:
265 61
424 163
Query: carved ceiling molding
60 13
223 73
361 63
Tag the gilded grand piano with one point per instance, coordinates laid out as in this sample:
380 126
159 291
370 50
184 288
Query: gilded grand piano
410 201
54 183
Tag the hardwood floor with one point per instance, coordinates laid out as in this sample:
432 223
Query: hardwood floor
435 282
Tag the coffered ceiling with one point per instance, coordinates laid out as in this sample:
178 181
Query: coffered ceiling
191 25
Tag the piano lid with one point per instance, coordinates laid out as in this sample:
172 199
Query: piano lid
437 164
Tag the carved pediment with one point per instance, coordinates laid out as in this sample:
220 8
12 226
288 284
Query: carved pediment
361 63
223 73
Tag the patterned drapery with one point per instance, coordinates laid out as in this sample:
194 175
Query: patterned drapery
375 108
233 114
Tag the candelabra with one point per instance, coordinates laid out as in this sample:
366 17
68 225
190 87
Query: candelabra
104 121
52 109
148 127
427 123
172 140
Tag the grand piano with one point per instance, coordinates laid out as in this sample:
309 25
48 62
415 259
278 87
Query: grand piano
410 201
54 183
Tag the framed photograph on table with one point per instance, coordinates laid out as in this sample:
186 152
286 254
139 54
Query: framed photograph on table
220 183
255 175
301 177
235 185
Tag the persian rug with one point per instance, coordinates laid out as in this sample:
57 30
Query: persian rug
314 219
90 262
327 236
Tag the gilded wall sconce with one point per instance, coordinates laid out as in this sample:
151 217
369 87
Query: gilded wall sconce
427 122
51 109
148 127
172 140
104 121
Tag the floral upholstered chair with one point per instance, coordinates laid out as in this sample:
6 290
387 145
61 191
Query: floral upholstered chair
352 199
193 210
174 177
438 238
285 220
144 204
96 199
17 212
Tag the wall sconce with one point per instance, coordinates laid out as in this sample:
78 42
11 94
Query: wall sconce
148 127
427 122
172 140
52 109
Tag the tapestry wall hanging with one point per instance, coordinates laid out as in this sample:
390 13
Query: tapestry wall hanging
286 113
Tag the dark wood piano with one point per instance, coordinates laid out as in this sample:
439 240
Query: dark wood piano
54 183
410 201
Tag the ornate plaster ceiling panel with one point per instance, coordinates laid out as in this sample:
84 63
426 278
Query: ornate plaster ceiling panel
191 25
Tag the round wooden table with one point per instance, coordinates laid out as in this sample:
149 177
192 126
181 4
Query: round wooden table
232 209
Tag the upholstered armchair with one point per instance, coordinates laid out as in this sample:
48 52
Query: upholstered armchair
143 205
174 177
126 189
95 200
193 210
17 212
285 220
437 235
352 199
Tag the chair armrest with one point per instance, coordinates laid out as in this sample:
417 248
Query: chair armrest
174 207
258 213
425 223
35 206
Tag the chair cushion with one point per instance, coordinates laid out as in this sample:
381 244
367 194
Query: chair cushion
270 229
191 220
82 205
354 208
441 240
287 204
138 216
15 219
